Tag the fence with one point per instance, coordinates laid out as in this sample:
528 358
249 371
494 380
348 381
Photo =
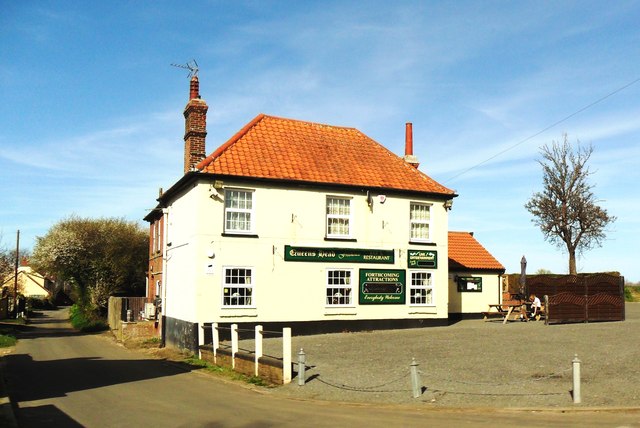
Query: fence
580 298
118 307
250 363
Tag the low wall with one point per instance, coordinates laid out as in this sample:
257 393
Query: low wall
135 331
269 369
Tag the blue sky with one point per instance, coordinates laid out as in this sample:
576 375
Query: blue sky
91 111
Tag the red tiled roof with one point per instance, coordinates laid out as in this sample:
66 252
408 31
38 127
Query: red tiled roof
284 149
465 252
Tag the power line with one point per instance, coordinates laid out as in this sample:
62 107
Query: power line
545 129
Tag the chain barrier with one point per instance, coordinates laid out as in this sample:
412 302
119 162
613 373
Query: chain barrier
518 382
374 388
406 374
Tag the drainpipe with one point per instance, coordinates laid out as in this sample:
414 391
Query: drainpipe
163 277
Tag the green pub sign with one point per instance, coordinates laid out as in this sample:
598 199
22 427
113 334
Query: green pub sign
469 283
382 286
422 259
337 255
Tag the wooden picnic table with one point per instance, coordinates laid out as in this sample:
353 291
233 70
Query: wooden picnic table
505 310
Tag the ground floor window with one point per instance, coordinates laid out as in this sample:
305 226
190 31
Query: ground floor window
339 287
237 287
421 288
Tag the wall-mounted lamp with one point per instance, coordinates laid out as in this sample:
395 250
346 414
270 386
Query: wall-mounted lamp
218 184
448 204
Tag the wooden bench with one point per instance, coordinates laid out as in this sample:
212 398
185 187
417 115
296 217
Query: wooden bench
488 314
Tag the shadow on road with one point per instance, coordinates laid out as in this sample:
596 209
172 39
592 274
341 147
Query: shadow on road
50 413
70 363
56 378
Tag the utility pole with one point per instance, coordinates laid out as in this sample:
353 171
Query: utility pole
15 278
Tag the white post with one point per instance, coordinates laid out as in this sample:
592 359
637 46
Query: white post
258 347
234 344
302 365
286 355
415 379
577 399
216 341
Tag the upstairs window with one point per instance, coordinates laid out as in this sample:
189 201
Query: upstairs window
238 211
421 288
339 288
338 217
420 219
237 289
157 232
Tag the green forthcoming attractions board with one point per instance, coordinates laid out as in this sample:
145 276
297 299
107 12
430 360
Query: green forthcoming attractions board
382 286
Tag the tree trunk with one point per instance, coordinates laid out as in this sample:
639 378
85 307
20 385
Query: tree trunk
572 262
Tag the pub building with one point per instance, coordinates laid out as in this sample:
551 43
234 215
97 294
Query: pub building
297 224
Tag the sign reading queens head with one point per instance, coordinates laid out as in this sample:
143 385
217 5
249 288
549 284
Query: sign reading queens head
339 255
382 286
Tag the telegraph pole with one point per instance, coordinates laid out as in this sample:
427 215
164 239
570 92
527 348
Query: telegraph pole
15 278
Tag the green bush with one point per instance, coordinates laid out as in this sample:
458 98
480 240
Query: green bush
7 338
86 321
628 296
37 303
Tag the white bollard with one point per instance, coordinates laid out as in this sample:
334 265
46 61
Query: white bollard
577 398
302 365
215 340
286 355
258 348
415 379
234 344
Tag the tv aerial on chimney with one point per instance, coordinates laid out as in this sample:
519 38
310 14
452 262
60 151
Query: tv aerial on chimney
192 66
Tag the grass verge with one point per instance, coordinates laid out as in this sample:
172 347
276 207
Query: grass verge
225 372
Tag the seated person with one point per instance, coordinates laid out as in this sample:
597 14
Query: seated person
536 305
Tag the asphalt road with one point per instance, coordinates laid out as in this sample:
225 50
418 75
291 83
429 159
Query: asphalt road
57 377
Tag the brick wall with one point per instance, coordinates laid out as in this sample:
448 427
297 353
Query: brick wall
269 369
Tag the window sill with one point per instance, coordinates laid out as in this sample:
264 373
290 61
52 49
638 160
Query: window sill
230 316
239 235
334 238
426 243
332 312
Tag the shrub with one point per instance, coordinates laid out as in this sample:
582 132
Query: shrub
632 292
7 340
628 296
85 320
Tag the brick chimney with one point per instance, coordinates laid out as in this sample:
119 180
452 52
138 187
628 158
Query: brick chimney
408 147
195 127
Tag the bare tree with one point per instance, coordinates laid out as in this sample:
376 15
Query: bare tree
566 210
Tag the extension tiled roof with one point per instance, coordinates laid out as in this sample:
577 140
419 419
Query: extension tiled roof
465 252
271 147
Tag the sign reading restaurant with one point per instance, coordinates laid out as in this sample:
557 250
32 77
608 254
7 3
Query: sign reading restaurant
422 259
382 286
339 255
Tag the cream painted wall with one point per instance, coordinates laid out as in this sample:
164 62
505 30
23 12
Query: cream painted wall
30 283
474 302
288 291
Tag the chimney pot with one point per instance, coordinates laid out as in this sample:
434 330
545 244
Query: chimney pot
408 140
194 91
408 147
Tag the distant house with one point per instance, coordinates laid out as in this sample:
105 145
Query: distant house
300 224
475 276
30 283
